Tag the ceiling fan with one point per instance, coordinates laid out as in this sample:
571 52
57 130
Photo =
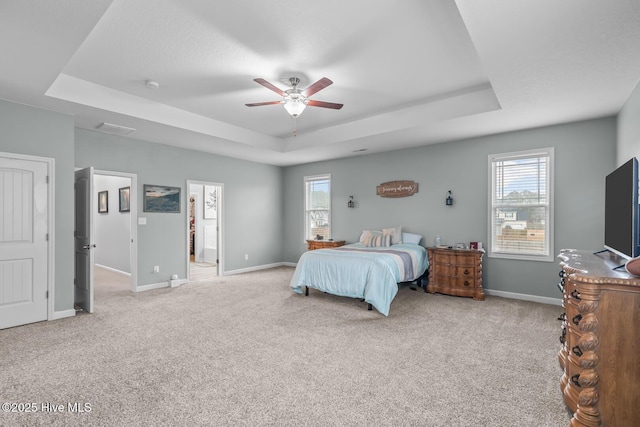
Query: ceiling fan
296 100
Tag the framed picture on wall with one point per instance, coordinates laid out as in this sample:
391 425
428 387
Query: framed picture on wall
210 202
161 198
125 205
103 202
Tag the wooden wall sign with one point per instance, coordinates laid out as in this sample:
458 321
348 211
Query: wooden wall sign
397 189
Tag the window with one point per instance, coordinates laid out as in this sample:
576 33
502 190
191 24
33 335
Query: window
521 205
317 196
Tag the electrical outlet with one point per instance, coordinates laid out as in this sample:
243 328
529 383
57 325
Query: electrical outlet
156 269
246 257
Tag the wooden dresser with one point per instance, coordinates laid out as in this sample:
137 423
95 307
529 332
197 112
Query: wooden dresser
321 244
456 272
600 338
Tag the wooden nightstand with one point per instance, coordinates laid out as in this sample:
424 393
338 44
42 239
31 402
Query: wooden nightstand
456 272
321 244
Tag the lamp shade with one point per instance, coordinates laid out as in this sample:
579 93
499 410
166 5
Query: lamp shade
294 107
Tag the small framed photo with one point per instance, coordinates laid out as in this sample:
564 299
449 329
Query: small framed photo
103 202
125 204
161 198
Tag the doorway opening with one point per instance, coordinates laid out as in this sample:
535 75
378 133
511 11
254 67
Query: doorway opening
113 268
105 233
204 230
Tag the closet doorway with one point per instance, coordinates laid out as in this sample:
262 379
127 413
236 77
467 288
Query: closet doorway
204 230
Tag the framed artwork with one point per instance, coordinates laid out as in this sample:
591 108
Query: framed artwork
210 202
125 204
161 198
103 202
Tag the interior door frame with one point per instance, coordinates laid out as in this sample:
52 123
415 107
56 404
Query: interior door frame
133 226
51 241
220 234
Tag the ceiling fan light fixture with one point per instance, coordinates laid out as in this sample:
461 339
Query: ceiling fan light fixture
294 106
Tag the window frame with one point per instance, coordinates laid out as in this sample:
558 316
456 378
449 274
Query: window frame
548 255
306 222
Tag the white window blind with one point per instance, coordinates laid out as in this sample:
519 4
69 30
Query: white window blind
318 206
521 205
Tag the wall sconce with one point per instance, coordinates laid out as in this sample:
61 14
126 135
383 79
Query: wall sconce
351 203
449 200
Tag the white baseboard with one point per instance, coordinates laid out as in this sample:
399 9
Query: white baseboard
256 268
525 297
174 283
152 286
62 314
124 273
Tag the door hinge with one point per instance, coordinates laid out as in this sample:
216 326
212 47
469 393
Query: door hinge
46 236
47 295
47 179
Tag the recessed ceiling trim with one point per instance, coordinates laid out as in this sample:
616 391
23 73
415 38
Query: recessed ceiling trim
83 92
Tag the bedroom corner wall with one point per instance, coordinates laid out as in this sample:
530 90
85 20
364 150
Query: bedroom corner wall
38 132
252 202
585 153
628 144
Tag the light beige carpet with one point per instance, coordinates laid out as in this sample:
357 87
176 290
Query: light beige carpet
246 351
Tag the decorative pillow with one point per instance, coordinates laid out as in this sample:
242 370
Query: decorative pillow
378 240
411 238
365 237
395 233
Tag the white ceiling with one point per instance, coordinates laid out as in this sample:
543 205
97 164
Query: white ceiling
409 73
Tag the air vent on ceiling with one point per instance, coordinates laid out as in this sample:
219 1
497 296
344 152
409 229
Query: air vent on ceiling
114 129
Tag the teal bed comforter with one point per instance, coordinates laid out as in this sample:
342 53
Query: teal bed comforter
358 271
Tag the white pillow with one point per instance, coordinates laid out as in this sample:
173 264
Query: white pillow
365 236
411 238
395 233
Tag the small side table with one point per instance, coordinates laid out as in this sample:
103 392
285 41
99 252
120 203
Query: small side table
456 272
321 244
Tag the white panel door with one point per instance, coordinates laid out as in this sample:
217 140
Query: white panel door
23 241
84 245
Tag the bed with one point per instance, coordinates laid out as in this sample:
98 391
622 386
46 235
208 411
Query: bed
361 271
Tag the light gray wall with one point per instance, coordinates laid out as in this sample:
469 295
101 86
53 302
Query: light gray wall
584 154
113 228
629 128
37 132
252 202
263 223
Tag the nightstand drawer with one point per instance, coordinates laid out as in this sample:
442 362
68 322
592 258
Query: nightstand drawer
457 259
456 281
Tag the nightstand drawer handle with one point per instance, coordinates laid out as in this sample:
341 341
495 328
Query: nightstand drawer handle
576 380
577 351
466 272
466 283
576 319
563 337
575 294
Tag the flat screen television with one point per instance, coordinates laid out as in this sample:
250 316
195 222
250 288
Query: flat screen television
621 211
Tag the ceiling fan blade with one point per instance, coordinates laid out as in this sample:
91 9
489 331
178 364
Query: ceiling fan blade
269 86
323 104
258 104
317 86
